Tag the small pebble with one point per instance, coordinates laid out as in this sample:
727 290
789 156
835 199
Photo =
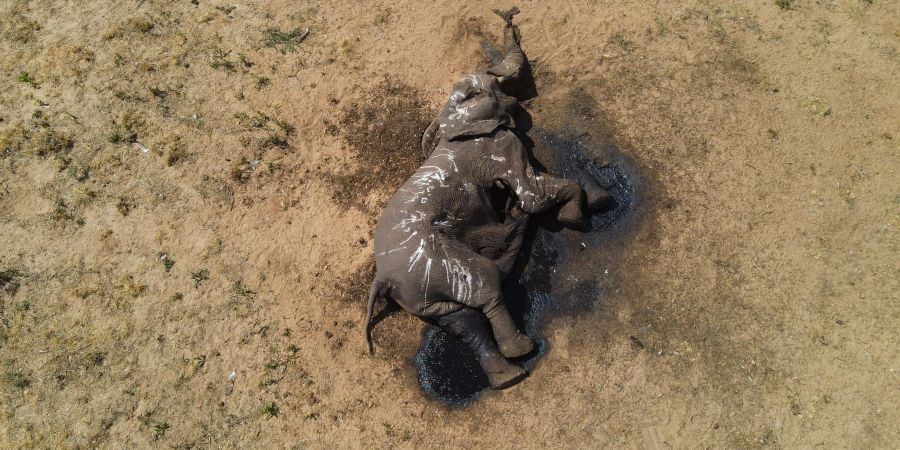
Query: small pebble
636 342
229 385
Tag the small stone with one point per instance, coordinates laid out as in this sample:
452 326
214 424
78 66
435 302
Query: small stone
636 342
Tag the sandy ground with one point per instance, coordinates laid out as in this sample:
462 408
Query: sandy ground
187 195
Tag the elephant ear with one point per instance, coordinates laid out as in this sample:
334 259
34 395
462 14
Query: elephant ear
465 128
477 107
429 138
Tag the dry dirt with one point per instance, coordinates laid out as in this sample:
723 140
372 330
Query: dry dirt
181 199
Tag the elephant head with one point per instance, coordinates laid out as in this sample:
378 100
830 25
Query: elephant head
476 107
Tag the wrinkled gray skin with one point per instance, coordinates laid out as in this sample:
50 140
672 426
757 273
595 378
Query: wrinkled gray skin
442 247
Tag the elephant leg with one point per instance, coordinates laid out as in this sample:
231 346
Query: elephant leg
474 280
596 197
513 343
508 258
469 325
538 194
511 66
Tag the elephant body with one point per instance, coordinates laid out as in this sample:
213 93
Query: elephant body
452 232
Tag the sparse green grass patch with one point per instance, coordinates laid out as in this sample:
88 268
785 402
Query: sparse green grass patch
175 155
284 41
270 410
784 4
25 77
124 206
226 9
220 60
141 24
275 140
623 42
168 263
244 61
199 277
285 126
9 281
157 92
160 429
261 81
240 291
18 380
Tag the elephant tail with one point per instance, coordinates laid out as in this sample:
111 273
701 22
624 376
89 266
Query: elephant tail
379 289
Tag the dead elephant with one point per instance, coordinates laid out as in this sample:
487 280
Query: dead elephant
445 242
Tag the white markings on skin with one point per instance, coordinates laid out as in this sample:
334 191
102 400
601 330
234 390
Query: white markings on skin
433 173
459 278
404 224
391 251
524 194
498 158
410 237
427 280
450 155
416 255
476 81
459 111
457 95
424 180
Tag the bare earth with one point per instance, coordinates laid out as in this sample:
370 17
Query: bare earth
181 198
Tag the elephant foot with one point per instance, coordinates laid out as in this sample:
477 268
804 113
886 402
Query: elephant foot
519 345
501 374
507 15
597 199
570 216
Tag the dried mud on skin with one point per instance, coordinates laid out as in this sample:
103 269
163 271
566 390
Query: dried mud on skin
383 131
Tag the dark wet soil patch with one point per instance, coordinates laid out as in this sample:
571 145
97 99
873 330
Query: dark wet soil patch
355 286
549 282
383 132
